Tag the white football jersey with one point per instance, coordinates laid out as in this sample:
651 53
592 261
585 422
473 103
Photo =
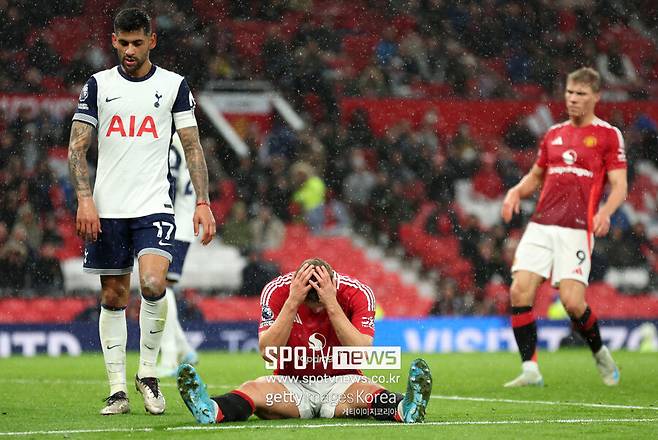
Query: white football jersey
135 120
183 190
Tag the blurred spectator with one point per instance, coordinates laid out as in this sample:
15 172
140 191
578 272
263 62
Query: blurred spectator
628 266
47 277
237 231
465 150
15 259
518 135
309 194
387 48
487 266
267 230
449 302
358 185
256 274
441 188
372 82
28 221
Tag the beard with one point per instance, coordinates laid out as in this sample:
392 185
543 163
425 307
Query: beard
134 67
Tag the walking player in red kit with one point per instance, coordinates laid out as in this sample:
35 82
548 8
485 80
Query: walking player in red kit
305 316
575 159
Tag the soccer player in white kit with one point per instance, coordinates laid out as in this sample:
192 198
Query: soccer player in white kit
575 159
130 214
175 348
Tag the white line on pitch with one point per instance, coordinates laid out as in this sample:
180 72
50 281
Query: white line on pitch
76 431
545 402
336 425
390 424
434 396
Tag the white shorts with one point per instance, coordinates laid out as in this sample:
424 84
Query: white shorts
318 397
563 251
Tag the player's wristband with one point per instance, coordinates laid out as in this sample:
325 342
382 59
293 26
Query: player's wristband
202 203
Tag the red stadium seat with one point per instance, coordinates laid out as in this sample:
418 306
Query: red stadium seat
66 35
360 49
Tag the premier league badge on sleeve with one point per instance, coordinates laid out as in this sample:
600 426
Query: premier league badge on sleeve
84 93
267 313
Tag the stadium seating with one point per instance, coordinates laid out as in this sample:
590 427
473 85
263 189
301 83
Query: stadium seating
42 310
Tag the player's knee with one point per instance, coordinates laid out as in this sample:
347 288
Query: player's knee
574 307
520 294
115 295
152 285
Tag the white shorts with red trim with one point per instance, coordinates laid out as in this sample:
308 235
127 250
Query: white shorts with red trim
546 249
317 397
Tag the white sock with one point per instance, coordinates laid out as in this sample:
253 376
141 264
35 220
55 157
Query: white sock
168 347
114 335
182 346
152 316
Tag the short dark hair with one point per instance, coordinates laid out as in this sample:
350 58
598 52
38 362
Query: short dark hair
132 19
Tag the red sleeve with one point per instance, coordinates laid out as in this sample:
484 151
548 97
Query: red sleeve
615 155
362 306
542 156
272 298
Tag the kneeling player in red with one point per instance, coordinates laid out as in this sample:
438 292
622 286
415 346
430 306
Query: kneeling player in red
307 317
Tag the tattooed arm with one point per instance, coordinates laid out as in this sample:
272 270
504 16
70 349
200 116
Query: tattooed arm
196 163
87 223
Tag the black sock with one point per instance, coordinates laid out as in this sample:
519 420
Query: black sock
384 405
235 406
588 327
525 332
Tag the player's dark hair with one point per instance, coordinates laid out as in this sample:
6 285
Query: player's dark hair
132 19
312 294
588 76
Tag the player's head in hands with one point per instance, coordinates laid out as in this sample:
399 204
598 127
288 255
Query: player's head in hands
582 92
133 40
312 297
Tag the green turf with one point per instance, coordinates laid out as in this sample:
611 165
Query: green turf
64 394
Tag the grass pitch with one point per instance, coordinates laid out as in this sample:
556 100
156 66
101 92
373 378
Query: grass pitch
44 397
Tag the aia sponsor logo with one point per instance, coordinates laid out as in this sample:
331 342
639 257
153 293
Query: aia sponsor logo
132 128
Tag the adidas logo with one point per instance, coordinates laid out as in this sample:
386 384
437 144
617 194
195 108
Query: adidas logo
557 141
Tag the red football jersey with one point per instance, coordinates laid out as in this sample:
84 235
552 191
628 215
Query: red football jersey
575 162
313 332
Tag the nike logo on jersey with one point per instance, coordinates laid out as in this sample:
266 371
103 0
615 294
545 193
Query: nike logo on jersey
557 141
150 348
161 243
110 347
112 99
152 332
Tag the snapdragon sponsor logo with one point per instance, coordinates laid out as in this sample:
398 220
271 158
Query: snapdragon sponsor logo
337 358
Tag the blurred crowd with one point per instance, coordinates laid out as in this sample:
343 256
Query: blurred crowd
471 49
335 175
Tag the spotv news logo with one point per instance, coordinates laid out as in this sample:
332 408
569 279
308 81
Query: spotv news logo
339 358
